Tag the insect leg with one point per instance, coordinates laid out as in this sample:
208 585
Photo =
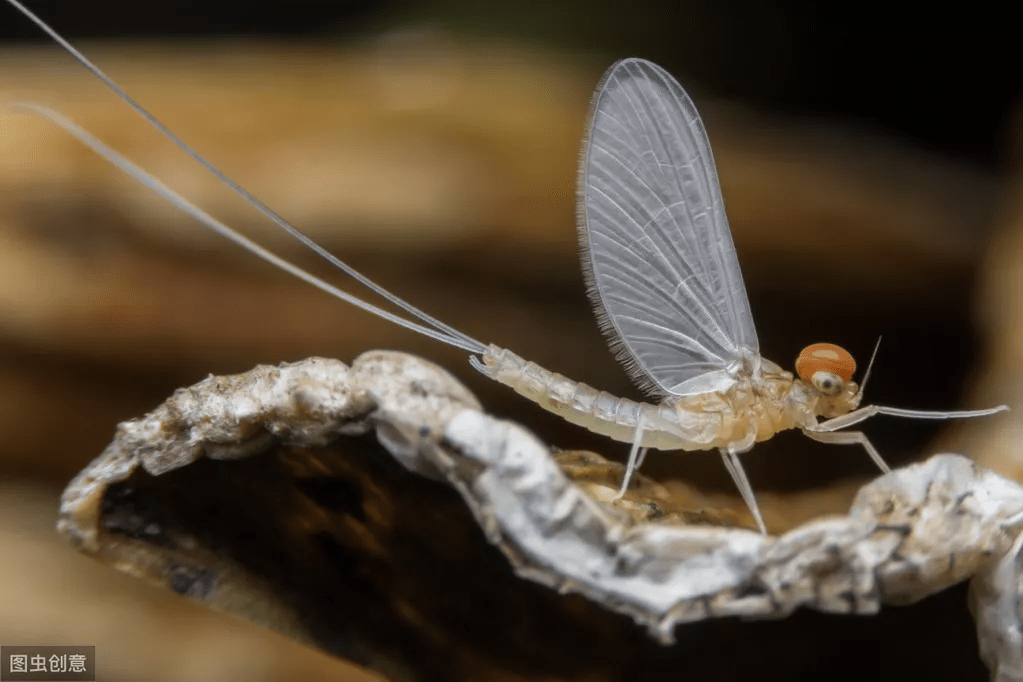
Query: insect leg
730 455
849 438
856 416
636 457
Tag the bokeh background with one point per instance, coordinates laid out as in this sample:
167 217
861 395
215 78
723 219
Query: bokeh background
872 183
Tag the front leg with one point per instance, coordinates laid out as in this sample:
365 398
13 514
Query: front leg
856 416
848 438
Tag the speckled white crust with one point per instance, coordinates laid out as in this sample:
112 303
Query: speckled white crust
996 598
308 403
909 534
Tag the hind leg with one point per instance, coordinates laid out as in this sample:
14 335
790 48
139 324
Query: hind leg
636 457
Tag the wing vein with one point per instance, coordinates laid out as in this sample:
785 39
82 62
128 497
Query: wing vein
657 253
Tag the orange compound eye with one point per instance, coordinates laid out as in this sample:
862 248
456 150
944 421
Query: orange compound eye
825 357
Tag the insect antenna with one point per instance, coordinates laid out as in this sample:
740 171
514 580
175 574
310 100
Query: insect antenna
865 412
870 366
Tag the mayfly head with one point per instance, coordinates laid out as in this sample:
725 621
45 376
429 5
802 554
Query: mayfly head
827 370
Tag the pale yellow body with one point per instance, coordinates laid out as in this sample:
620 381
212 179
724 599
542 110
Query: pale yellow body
753 410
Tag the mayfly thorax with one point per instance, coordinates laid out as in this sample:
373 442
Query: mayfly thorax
663 277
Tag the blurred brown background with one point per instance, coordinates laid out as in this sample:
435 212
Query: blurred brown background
871 182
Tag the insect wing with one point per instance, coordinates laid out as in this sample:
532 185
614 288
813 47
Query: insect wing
660 265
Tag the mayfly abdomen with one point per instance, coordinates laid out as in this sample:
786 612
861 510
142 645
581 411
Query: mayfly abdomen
576 402
665 427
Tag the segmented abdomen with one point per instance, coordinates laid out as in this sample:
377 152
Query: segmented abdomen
665 426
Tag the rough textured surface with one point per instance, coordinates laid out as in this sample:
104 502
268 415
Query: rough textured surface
278 495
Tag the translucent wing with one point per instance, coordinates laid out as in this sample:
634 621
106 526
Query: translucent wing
657 252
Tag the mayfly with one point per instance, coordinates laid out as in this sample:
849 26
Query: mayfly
663 277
